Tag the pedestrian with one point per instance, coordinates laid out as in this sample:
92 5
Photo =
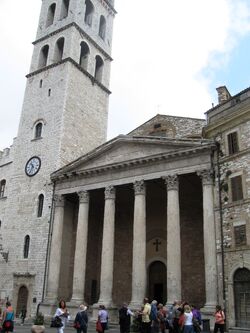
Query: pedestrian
8 318
125 318
154 318
162 317
176 316
63 314
81 319
146 323
219 319
188 320
23 314
196 319
103 317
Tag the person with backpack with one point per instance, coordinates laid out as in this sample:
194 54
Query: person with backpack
81 320
125 318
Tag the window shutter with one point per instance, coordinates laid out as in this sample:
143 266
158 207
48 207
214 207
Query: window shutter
236 185
240 235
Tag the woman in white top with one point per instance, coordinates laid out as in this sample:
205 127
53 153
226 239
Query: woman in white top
188 320
63 314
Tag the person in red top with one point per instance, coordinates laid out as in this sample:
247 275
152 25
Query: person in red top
219 320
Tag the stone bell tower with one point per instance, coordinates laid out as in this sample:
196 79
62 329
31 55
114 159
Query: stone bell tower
64 115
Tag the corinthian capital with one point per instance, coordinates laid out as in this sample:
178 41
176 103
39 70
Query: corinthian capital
172 182
110 192
83 196
139 187
206 176
59 200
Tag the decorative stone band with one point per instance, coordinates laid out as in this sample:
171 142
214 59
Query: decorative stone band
172 182
139 187
110 192
83 196
59 200
207 176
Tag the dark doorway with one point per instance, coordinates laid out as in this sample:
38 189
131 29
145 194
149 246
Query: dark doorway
157 277
242 297
22 300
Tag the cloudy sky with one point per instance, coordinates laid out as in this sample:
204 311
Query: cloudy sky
169 56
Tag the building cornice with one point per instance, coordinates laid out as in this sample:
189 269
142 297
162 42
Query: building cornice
73 62
81 31
108 6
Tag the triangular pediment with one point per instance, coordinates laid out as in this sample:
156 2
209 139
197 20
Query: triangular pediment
125 149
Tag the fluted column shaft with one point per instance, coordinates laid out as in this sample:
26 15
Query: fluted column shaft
81 248
107 264
55 249
173 240
139 277
209 240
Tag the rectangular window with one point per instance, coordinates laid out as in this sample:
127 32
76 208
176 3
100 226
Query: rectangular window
236 186
233 146
240 235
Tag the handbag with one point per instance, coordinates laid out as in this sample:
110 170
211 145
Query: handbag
98 326
56 322
76 325
7 324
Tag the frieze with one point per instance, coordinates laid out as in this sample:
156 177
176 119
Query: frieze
110 192
83 196
172 182
139 187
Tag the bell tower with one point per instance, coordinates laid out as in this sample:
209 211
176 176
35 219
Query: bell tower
64 115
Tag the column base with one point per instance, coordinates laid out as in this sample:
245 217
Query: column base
75 301
208 309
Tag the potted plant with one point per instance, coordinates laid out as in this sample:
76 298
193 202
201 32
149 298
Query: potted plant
38 326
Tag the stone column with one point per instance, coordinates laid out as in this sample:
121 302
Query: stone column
55 250
209 240
173 240
81 248
139 276
107 264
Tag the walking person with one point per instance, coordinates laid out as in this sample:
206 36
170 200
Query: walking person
125 318
154 317
81 319
63 314
188 320
219 319
146 322
23 314
8 319
162 317
103 317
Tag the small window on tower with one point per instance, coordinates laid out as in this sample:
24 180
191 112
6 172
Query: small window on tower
98 68
40 205
84 56
2 187
102 27
49 92
43 57
89 11
65 9
59 50
41 83
38 130
233 146
26 246
51 14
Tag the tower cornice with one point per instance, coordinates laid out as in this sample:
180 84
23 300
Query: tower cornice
73 24
108 5
73 62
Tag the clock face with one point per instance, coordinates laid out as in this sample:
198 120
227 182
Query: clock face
32 166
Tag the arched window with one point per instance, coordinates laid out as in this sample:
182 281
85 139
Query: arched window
38 130
89 11
43 58
40 205
98 68
51 14
65 9
2 187
84 56
102 27
26 246
59 50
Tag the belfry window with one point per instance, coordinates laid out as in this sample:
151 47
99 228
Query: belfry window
102 27
43 58
51 14
84 56
2 187
38 130
89 11
40 205
59 50
26 247
98 68
65 9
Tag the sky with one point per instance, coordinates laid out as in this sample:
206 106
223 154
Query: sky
169 57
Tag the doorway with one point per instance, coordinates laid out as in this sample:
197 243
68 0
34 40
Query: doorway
242 297
22 299
157 282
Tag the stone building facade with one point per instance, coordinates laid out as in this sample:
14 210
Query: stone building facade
64 114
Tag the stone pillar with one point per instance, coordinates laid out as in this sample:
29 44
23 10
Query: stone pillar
55 250
107 264
81 249
139 276
173 240
209 241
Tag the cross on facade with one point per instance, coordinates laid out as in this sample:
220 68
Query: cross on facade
157 243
